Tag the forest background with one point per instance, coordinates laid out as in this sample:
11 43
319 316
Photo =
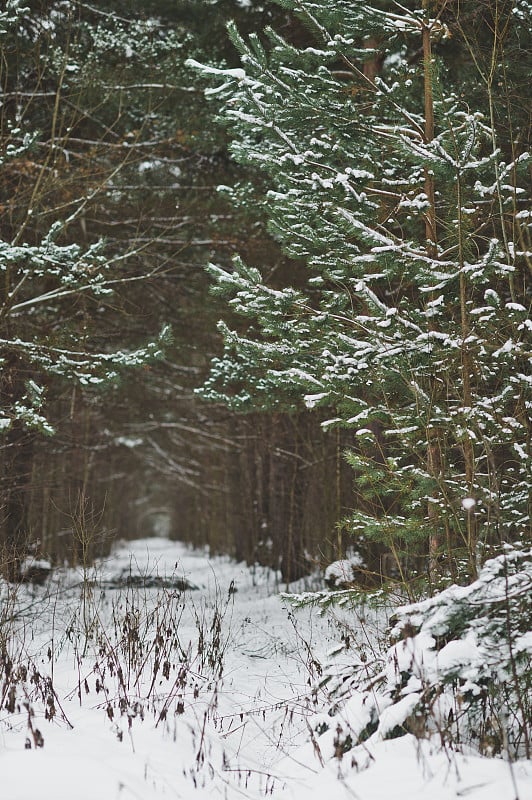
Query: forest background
381 162
106 137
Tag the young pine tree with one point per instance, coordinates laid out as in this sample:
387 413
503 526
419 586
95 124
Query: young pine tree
404 192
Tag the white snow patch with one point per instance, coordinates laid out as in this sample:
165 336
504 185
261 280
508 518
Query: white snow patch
469 503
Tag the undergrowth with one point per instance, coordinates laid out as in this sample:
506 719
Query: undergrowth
126 648
456 667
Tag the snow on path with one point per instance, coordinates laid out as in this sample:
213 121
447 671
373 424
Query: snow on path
244 735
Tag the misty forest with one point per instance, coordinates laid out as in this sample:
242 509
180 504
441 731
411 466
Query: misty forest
265 399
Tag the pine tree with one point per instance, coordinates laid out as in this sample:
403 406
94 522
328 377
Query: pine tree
407 200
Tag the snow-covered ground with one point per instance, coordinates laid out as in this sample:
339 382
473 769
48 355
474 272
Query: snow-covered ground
158 693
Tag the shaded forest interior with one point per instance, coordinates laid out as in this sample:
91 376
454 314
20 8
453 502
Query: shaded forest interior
125 149
400 286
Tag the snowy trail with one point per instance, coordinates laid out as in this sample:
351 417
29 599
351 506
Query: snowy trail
236 747
242 735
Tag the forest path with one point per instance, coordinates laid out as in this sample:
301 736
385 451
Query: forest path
238 708
158 693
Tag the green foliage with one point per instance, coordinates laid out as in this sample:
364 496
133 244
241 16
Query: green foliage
413 326
12 15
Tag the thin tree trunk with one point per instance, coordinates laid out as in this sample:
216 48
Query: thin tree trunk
467 396
373 65
430 216
434 460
